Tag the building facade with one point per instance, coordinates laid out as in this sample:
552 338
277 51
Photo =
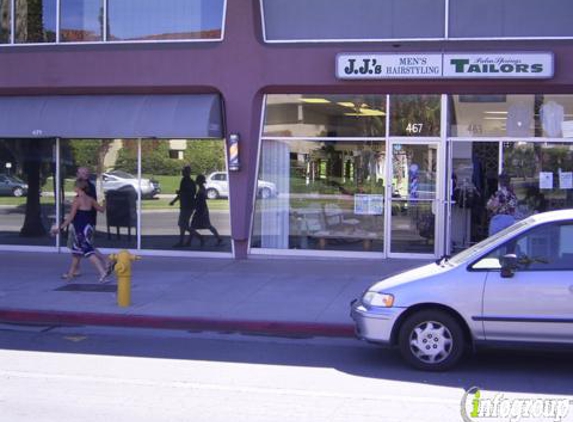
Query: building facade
364 128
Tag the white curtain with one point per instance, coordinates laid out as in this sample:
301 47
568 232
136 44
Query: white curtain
275 168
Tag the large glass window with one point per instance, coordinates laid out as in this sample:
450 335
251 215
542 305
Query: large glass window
510 18
415 115
516 116
324 195
27 191
35 21
153 20
163 221
492 116
292 20
113 181
330 116
540 176
5 19
81 20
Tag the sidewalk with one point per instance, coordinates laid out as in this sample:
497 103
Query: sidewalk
270 296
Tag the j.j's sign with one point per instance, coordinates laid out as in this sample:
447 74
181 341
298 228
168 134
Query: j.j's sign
444 66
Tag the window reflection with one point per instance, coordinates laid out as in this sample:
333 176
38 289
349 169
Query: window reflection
114 181
163 162
165 19
27 191
5 14
35 21
329 196
325 116
81 20
415 115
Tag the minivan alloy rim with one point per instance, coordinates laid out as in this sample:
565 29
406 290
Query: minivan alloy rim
431 342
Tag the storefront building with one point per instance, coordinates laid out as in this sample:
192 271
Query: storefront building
325 127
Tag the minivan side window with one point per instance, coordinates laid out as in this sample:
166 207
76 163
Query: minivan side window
545 248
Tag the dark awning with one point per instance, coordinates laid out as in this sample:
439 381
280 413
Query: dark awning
111 116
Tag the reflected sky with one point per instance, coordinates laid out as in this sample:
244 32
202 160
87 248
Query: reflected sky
131 19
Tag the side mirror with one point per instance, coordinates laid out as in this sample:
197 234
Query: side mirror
508 265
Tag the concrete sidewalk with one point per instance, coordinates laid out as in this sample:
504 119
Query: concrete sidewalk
264 295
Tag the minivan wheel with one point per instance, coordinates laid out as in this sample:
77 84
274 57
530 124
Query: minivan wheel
17 192
431 340
212 194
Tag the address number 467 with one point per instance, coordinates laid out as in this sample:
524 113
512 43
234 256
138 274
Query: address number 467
414 127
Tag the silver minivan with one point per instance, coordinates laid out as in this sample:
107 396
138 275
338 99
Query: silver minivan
514 288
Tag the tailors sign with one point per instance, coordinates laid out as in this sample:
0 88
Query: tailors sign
445 66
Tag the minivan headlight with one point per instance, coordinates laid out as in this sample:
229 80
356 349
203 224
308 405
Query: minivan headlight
382 300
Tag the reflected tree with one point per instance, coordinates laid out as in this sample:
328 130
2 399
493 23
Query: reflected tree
33 157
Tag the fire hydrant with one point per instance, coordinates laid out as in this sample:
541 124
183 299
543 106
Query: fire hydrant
123 260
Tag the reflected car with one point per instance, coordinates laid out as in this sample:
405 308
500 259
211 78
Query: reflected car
120 180
12 186
217 186
514 289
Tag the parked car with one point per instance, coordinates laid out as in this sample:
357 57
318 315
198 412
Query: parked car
120 180
12 186
217 186
514 288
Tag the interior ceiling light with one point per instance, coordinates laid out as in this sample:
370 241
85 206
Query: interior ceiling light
315 100
364 112
347 104
495 112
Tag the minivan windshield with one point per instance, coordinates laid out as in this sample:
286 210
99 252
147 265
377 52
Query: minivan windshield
470 253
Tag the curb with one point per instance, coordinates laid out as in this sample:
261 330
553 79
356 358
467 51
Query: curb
272 328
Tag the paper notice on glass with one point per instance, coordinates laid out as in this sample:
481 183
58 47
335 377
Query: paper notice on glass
368 204
361 204
546 180
376 205
566 180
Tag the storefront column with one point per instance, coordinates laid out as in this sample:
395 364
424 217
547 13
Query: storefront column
243 117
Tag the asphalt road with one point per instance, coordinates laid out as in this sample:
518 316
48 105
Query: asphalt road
96 374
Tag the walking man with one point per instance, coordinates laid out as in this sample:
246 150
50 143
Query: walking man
186 197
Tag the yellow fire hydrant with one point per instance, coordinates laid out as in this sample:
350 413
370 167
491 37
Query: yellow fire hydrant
123 260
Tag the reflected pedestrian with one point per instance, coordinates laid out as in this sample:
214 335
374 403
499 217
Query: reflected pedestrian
502 205
186 197
201 218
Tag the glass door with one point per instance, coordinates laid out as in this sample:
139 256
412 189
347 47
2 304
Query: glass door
414 201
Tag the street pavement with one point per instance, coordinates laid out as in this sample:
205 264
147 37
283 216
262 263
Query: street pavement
277 296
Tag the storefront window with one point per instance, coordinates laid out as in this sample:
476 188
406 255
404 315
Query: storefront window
322 195
27 191
81 20
332 116
514 116
540 175
162 219
510 18
5 18
415 115
35 21
292 20
156 20
492 116
115 184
